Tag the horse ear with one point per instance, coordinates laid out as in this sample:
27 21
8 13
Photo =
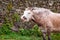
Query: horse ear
32 9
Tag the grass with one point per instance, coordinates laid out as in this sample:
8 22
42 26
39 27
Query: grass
18 37
24 34
15 36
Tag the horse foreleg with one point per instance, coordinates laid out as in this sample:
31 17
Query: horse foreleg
49 35
44 35
49 38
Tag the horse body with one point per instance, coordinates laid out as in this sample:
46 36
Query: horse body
47 20
55 21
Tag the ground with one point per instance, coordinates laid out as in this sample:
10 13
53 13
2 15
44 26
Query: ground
20 37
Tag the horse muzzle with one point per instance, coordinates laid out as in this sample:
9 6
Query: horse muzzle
23 18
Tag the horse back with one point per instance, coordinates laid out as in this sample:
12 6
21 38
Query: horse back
55 20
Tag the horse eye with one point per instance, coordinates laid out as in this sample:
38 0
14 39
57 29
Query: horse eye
28 13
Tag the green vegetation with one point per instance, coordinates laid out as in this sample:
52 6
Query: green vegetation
24 34
18 37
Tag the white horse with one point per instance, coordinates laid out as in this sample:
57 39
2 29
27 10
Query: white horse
47 20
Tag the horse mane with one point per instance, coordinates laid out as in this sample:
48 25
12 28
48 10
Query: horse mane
38 9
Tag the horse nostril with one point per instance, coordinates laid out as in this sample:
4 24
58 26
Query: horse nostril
24 17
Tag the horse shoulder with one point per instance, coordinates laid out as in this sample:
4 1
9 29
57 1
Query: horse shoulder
55 20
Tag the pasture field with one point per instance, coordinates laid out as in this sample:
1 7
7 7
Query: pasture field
19 37
24 34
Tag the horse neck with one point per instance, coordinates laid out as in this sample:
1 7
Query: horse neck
40 16
37 17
